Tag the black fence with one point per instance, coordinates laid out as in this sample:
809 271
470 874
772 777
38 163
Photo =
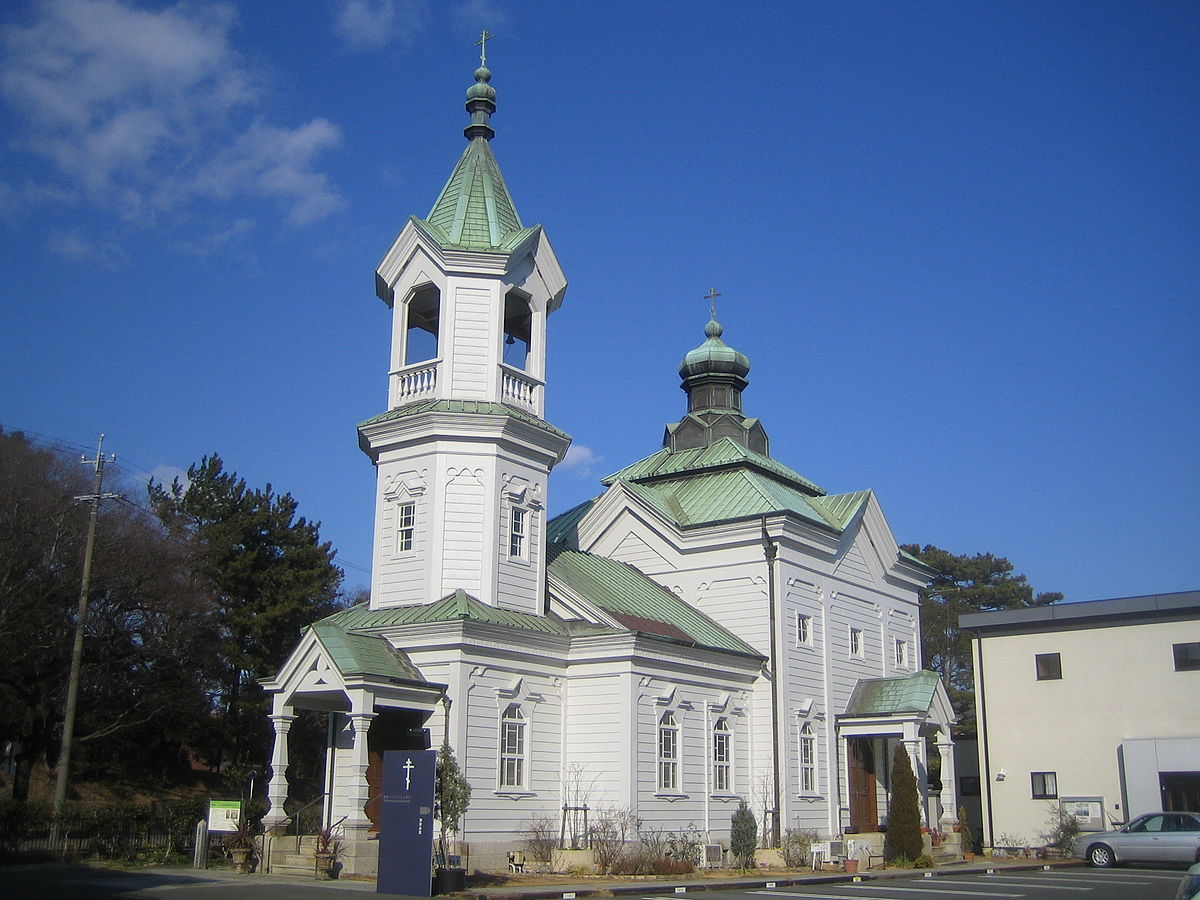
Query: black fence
111 831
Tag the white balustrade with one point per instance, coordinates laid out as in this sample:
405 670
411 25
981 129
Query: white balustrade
519 389
415 382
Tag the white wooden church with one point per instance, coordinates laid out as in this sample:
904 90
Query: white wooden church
712 627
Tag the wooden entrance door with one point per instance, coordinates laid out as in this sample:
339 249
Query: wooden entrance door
391 729
864 804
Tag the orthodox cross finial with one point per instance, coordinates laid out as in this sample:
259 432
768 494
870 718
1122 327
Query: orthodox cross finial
484 37
711 297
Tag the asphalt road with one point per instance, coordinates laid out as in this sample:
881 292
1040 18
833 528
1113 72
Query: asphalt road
57 882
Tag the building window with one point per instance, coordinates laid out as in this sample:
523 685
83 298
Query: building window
808 759
722 748
1049 666
518 532
1045 785
512 747
803 630
901 654
406 519
668 753
856 642
968 786
1187 656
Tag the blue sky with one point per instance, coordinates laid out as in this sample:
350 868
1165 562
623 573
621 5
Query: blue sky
958 241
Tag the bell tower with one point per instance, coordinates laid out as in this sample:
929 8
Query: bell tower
463 454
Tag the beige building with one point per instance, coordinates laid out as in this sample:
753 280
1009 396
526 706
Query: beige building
1091 707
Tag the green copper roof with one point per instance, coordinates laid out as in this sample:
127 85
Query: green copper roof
638 603
725 452
473 407
458 605
886 696
474 210
714 356
561 529
363 654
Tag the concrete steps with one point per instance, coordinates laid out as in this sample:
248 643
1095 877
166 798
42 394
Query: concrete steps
287 856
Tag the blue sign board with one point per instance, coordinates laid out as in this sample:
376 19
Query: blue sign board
406 823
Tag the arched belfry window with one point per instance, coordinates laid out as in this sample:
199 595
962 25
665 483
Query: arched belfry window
421 326
518 326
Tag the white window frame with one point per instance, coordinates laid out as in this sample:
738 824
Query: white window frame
518 532
855 641
901 646
406 527
668 753
722 756
804 636
807 756
514 743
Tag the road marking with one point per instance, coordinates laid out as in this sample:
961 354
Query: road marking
926 890
1009 881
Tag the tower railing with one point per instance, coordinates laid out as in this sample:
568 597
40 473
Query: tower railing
415 382
520 390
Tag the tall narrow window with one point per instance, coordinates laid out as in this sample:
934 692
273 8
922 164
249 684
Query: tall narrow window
721 747
406 519
803 630
856 642
512 747
518 531
808 759
668 753
901 654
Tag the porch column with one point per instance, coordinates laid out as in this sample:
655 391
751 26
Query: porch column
913 746
358 792
277 789
949 796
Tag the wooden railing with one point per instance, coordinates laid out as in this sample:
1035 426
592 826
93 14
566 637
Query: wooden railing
520 390
416 382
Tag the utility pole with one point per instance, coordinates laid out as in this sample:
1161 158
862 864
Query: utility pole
64 756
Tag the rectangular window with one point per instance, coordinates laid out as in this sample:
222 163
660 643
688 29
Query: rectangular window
901 654
803 630
518 531
721 757
406 520
668 753
968 786
1045 785
1187 656
1049 666
808 760
856 642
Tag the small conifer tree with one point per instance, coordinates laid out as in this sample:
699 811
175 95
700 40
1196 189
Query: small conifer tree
451 797
904 814
743 834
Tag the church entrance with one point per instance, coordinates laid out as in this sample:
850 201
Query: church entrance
863 784
1180 791
392 729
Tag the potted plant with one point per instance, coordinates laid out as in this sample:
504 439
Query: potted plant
968 839
242 846
327 849
451 797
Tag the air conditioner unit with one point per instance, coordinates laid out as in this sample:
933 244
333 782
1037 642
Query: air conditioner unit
837 849
711 856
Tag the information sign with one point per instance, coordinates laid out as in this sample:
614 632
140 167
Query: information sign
406 823
224 815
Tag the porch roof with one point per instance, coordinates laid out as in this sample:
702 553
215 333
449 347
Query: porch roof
363 654
891 696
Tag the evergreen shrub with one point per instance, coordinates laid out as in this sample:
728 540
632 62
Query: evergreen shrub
904 813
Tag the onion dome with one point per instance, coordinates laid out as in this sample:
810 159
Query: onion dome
714 357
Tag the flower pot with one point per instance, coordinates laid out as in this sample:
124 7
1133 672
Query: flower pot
968 857
241 859
851 864
449 881
324 865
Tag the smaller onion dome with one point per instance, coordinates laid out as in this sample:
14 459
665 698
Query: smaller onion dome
714 356
481 90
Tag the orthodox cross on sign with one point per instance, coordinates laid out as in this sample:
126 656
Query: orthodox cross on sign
408 767
711 297
484 37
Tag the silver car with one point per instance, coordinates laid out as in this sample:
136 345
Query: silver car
1189 888
1155 837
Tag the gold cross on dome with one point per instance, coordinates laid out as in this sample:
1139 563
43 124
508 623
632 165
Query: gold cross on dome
711 297
484 37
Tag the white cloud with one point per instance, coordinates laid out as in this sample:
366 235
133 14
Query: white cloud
78 248
133 106
371 24
580 460
479 14
166 475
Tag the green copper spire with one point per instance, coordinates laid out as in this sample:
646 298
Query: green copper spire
474 210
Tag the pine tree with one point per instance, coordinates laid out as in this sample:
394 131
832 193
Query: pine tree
743 834
904 814
451 797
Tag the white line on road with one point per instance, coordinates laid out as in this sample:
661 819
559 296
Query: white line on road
927 890
1009 882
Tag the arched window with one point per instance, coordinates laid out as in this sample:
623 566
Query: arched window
808 759
722 757
421 326
668 753
518 326
512 747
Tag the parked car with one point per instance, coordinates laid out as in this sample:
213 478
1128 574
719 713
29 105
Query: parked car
1189 888
1154 837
